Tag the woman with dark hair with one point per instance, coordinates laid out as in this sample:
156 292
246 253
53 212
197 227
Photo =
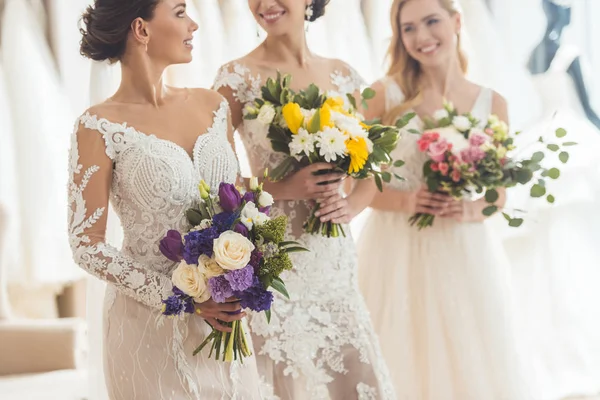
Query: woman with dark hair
319 343
145 149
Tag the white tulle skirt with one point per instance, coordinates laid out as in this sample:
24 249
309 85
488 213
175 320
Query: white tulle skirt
440 301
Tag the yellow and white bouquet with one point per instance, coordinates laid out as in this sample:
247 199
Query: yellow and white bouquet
311 127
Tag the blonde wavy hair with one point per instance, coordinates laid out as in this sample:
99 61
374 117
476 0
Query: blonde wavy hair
404 69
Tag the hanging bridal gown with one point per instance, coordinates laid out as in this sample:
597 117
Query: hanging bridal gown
64 18
10 256
240 27
440 298
212 34
41 115
347 36
148 356
319 343
490 65
377 20
556 283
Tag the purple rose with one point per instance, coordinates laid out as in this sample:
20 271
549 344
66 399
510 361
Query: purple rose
199 242
256 297
172 246
249 197
220 289
229 197
240 279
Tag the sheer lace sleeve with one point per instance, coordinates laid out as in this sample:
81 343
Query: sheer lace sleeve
90 167
237 84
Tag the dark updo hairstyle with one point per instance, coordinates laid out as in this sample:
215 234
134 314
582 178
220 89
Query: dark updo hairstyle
318 9
107 24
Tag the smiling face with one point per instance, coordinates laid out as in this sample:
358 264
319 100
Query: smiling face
279 17
429 31
170 33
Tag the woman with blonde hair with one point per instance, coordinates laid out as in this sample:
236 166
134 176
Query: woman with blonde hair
439 298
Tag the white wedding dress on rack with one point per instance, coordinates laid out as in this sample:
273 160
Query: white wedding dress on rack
10 257
240 27
42 118
347 36
556 280
377 20
64 16
555 283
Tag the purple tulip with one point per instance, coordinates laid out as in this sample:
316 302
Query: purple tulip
241 229
265 210
249 197
229 197
171 246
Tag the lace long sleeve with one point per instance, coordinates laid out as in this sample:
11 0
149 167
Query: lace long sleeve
91 174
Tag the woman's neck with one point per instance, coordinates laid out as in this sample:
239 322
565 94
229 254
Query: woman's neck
141 82
287 49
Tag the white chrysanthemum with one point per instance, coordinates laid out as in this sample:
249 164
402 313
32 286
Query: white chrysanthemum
349 125
302 142
440 114
461 123
331 144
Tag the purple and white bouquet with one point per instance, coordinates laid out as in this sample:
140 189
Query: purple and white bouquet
234 249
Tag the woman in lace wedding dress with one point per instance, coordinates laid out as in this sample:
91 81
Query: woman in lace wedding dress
150 179
439 298
319 343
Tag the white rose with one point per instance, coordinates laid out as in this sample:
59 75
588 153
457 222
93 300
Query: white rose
265 199
452 136
440 114
253 183
461 123
248 214
261 218
266 114
191 281
232 250
209 267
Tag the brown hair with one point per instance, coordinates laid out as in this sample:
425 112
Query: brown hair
404 69
107 25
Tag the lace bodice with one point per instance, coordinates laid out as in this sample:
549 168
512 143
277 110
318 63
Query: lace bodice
407 149
246 88
150 183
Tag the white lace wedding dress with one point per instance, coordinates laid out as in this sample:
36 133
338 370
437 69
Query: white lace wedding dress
150 183
320 343
440 298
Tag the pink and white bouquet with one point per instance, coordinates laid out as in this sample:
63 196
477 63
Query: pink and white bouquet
466 160
234 249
